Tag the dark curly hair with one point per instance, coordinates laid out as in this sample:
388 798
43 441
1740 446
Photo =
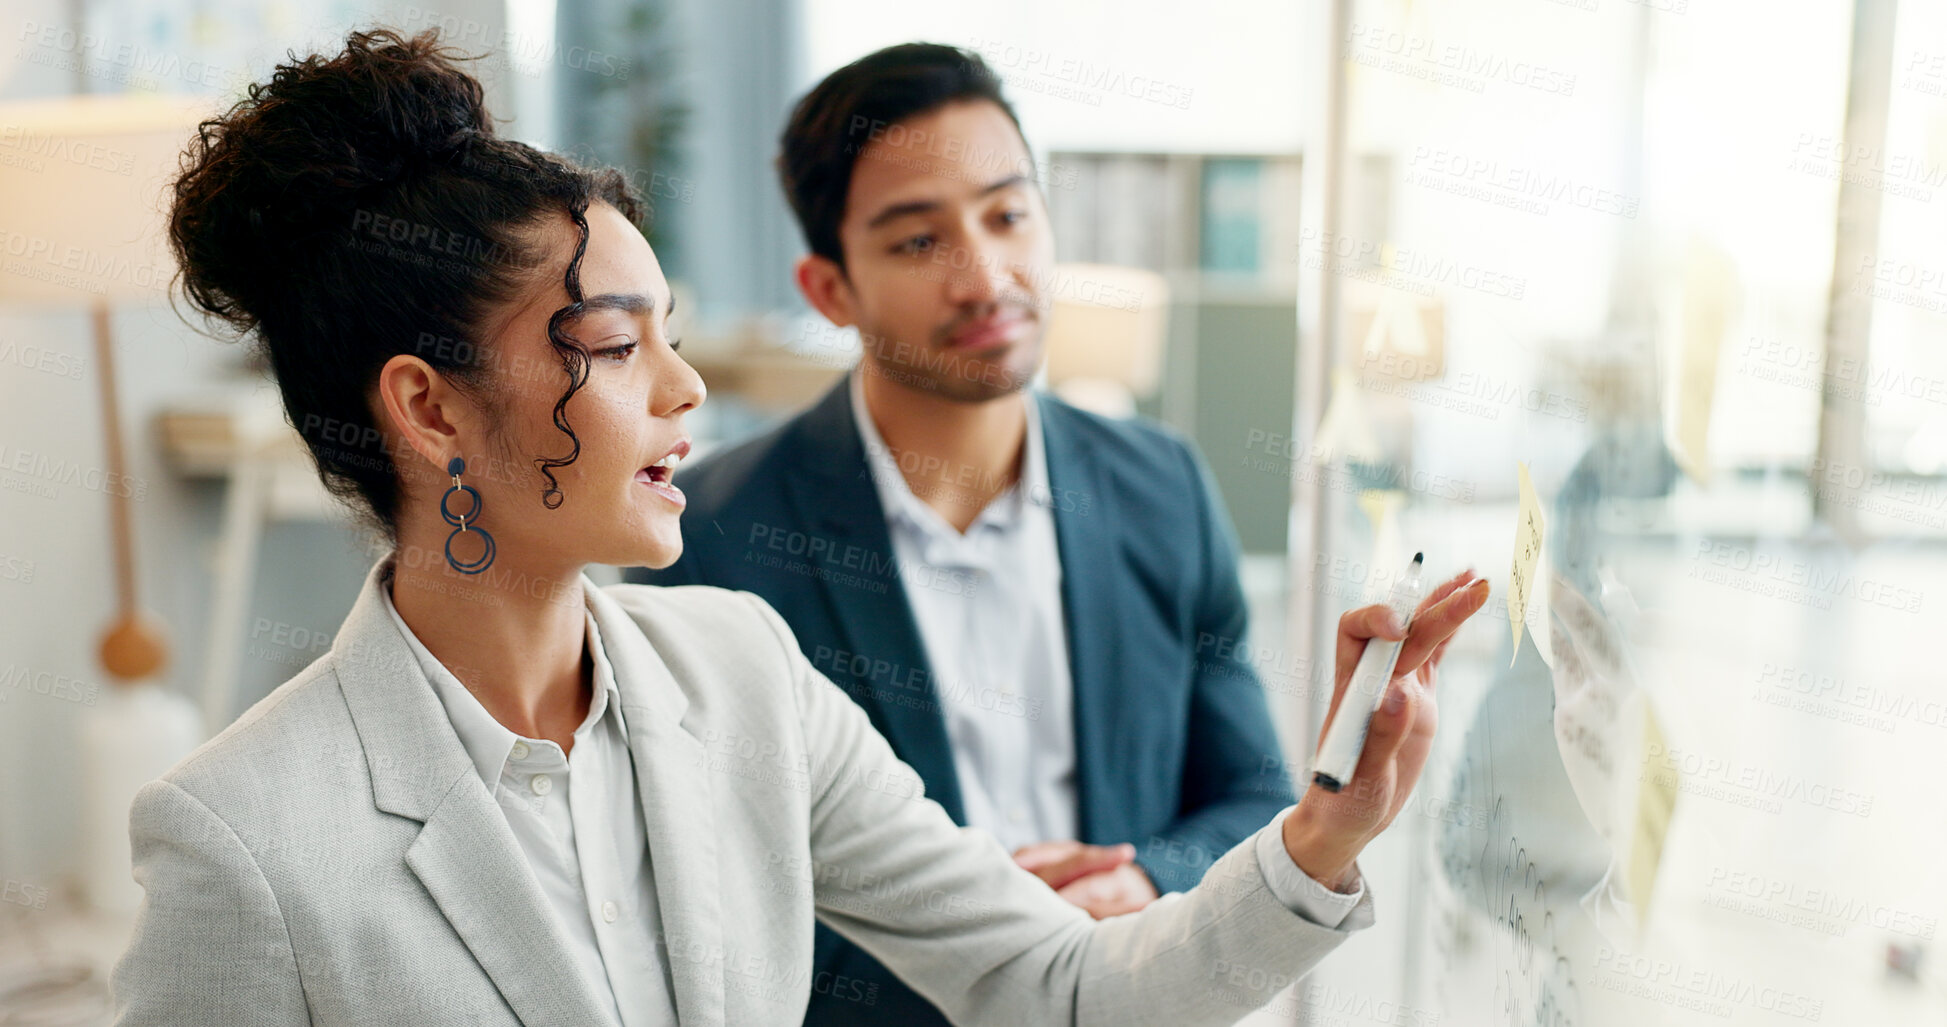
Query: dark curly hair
359 207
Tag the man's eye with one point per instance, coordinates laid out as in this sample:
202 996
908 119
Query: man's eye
917 244
1011 217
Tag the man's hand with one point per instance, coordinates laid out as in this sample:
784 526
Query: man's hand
1327 831
1102 879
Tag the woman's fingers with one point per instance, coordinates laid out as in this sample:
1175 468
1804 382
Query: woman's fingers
1436 618
1355 628
1428 670
1445 589
1437 622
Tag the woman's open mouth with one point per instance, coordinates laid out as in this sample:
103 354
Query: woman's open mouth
657 475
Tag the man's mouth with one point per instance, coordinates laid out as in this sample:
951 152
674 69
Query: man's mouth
657 475
1002 327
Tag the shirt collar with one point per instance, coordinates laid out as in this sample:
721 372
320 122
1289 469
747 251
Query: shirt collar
897 497
488 742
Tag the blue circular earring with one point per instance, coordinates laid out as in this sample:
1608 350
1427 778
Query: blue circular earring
457 467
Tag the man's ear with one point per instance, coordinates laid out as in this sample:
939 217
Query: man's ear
422 407
826 288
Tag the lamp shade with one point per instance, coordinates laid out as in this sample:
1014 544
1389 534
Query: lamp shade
83 183
1107 325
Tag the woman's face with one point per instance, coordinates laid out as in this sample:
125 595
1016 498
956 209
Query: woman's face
618 505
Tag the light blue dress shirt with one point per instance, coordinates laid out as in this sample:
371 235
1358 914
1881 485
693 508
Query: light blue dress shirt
988 605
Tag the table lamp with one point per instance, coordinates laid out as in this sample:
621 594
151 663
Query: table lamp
1105 335
83 195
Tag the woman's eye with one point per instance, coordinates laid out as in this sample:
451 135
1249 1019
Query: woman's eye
618 353
1012 217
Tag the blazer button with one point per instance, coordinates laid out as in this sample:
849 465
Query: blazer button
541 783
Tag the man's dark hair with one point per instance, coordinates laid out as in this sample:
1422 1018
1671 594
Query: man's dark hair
834 122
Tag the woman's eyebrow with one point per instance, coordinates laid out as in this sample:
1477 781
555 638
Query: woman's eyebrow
627 302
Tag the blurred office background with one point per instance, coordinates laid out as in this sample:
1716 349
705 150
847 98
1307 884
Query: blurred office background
1683 261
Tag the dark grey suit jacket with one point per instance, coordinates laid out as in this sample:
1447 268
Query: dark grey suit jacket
1174 748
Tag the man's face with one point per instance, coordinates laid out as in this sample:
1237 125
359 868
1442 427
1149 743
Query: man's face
947 246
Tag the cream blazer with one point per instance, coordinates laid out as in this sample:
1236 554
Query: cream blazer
333 858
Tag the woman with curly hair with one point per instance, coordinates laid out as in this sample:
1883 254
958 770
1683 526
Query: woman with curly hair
508 795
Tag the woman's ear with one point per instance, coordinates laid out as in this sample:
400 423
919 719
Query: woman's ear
826 288
422 408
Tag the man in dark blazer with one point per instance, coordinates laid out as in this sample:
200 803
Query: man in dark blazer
893 525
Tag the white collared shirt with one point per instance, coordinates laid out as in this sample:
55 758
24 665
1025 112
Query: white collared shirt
988 605
989 610
579 822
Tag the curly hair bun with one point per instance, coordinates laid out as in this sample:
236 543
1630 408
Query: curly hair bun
359 207
298 154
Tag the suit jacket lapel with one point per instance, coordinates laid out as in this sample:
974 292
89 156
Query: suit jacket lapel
1085 532
465 854
673 775
831 491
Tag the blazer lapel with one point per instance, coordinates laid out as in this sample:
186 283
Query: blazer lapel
1085 533
465 854
672 772
830 489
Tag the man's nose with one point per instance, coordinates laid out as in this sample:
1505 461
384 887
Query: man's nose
980 274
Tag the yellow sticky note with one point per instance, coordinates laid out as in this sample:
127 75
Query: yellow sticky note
1381 507
1539 628
1527 550
1656 803
1344 430
1709 288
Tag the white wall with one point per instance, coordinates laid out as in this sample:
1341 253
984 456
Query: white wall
1147 75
